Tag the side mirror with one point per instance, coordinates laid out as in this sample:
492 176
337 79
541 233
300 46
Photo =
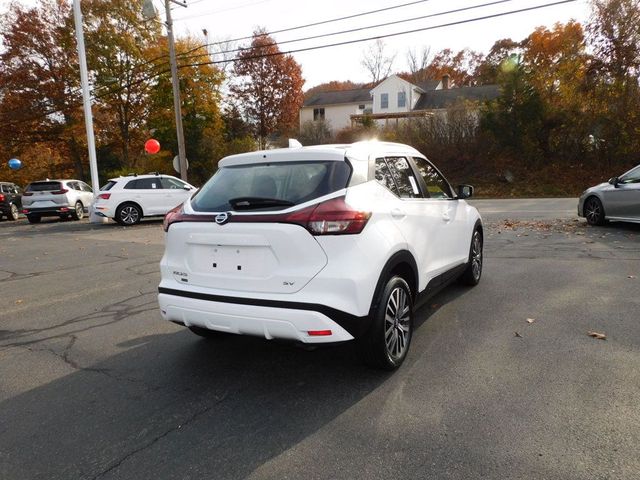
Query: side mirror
614 181
188 188
465 191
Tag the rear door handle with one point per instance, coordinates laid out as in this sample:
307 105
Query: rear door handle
446 217
397 213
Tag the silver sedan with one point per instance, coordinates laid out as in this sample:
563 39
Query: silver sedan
618 199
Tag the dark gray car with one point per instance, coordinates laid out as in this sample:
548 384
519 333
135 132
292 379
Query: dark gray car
618 200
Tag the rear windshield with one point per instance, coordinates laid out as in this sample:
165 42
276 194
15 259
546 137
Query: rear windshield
44 186
290 182
108 185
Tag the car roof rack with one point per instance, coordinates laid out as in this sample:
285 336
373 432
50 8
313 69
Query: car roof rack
132 174
153 173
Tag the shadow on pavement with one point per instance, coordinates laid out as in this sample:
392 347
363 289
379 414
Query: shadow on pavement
173 401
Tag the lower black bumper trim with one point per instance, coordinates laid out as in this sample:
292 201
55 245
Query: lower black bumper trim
353 324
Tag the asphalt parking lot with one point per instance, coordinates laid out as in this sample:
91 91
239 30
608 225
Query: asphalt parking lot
93 384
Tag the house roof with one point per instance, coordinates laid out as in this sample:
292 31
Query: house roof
428 85
432 99
358 95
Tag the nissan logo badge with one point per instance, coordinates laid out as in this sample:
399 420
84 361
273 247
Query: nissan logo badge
222 218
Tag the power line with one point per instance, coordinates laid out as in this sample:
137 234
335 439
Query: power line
358 29
323 22
396 34
220 10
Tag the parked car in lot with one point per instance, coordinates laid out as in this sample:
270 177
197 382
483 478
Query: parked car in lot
128 199
618 199
56 198
10 201
319 245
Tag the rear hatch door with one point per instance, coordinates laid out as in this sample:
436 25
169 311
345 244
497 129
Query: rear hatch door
48 194
264 256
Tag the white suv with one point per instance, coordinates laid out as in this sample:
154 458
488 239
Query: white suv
128 199
56 198
319 245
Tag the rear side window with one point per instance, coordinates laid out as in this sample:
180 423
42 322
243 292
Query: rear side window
293 182
144 184
383 175
403 177
108 186
44 186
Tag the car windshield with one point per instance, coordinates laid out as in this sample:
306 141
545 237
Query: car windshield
44 186
270 186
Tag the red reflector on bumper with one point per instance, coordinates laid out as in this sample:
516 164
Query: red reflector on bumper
319 333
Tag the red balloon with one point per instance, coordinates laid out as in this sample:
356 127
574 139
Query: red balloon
152 146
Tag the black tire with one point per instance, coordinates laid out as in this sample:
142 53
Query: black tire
78 211
206 333
128 214
386 343
594 211
34 218
472 274
14 213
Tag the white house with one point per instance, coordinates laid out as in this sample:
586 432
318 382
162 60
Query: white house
392 99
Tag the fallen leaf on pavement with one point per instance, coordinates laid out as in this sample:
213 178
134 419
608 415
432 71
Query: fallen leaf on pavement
631 276
599 336
517 335
19 301
531 320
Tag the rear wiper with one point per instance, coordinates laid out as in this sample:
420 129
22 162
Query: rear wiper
247 203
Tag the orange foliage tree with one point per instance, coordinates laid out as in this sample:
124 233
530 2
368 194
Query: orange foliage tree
268 87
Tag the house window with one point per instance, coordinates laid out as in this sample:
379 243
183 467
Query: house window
402 99
318 114
384 100
360 107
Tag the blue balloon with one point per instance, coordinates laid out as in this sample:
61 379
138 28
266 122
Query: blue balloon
15 164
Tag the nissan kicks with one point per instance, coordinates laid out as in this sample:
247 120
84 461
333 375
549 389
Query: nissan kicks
319 244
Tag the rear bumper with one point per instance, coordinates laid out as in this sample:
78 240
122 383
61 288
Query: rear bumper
264 318
48 211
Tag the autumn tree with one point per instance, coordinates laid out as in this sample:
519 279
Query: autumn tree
268 86
460 66
40 108
377 62
202 119
614 36
418 61
121 44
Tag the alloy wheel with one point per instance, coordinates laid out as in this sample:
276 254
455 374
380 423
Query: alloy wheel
129 215
14 214
397 323
476 255
79 211
593 211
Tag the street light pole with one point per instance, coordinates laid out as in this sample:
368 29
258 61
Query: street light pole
86 102
177 104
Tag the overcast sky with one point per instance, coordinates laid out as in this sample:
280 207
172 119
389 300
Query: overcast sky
239 18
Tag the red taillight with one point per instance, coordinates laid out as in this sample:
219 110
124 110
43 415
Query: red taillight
59 192
27 194
105 196
333 217
319 333
1 197
176 215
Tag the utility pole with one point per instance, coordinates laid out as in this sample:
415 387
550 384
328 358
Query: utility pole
177 104
86 102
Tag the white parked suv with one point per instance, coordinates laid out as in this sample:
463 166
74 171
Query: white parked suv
128 199
319 245
56 198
